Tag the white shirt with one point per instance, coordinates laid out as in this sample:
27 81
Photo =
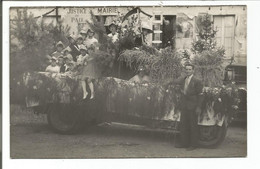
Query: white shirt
114 37
53 69
88 42
81 59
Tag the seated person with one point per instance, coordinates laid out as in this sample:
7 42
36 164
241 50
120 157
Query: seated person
69 64
141 77
66 53
58 52
61 64
53 68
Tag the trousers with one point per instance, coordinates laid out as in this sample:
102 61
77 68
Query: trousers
189 129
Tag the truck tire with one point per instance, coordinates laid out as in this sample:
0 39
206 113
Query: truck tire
212 136
65 118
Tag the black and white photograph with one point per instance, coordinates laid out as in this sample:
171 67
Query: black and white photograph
128 81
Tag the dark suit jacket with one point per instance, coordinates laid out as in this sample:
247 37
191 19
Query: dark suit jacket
192 99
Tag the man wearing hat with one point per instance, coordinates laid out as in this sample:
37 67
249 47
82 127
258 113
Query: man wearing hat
145 31
91 41
114 35
53 67
74 47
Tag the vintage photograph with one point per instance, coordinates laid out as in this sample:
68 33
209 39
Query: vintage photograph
128 81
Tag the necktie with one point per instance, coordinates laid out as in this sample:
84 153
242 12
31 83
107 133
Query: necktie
186 84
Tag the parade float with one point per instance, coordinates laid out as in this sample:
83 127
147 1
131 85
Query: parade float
152 104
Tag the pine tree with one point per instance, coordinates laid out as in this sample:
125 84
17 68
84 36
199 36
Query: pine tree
206 37
31 41
208 56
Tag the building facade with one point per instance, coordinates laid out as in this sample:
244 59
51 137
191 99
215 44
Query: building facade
172 25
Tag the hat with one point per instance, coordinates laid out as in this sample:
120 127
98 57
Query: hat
82 47
79 37
83 32
112 24
110 20
61 56
54 58
72 36
67 49
90 30
147 27
59 44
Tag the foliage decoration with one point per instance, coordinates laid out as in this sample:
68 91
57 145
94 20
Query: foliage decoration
163 65
208 57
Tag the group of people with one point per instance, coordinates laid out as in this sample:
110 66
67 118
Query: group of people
76 57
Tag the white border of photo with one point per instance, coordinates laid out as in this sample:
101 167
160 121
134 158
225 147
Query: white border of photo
253 61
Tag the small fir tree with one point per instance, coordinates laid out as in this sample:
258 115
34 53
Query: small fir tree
208 57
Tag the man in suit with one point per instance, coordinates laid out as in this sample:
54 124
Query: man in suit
190 108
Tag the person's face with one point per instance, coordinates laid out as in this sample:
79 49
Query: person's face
53 62
189 70
113 29
59 48
66 60
80 41
83 52
83 35
145 32
60 61
90 34
141 72
72 40
66 52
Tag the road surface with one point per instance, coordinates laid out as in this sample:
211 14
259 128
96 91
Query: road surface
32 138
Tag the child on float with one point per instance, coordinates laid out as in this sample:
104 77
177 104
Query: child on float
87 70
113 29
67 54
91 41
58 52
53 67
80 40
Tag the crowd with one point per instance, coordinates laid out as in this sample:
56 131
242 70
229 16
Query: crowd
78 58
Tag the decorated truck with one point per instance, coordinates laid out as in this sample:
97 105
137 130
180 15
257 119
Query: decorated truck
116 100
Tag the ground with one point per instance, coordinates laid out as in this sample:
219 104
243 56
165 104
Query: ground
32 138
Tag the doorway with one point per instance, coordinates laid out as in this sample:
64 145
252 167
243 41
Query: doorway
168 31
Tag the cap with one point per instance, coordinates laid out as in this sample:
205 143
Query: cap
90 30
82 47
83 31
59 44
72 36
67 49
54 58
79 37
147 27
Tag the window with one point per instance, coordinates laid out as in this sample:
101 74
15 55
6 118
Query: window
225 26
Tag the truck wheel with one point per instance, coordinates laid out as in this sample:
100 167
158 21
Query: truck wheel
212 136
64 118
